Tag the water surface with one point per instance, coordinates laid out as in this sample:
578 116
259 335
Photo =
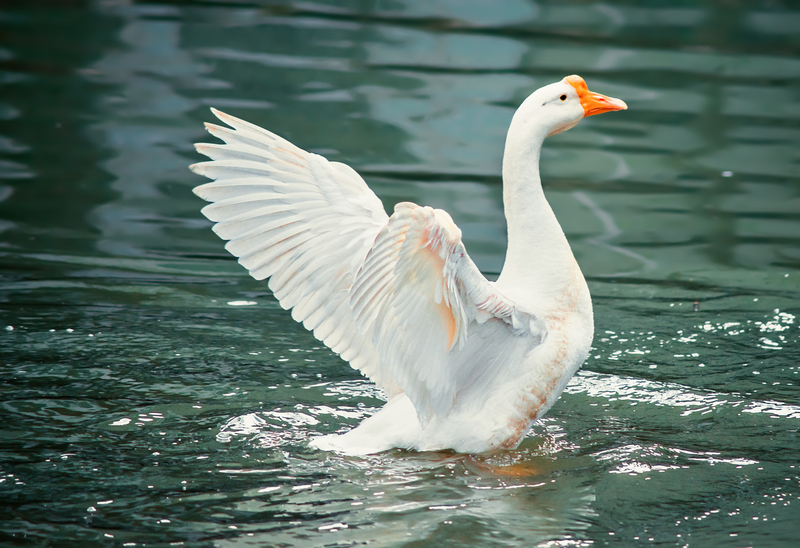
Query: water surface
152 393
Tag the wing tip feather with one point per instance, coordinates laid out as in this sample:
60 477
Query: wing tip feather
197 168
224 117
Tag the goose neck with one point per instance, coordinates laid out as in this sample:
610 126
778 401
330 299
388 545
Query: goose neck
538 252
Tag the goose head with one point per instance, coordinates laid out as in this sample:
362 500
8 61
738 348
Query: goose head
560 106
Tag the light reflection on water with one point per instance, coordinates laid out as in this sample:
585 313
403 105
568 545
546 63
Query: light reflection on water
274 428
391 495
152 393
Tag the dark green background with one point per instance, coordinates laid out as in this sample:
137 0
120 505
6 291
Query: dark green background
138 406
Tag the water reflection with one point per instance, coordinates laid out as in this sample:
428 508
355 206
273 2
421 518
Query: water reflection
145 72
430 498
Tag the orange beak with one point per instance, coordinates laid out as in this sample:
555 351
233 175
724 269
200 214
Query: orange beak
593 103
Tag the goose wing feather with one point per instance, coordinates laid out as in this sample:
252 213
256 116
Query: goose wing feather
431 314
304 222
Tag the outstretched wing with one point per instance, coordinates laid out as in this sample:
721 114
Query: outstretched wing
440 327
304 222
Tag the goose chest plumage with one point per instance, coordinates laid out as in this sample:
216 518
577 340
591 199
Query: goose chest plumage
466 364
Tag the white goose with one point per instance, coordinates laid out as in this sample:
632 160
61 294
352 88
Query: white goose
467 364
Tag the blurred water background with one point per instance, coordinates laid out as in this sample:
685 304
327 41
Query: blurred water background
152 394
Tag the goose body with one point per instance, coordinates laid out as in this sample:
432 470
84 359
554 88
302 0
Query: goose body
467 364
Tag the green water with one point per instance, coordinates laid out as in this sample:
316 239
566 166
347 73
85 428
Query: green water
143 403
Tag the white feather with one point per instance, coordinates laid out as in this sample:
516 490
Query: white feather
280 207
468 363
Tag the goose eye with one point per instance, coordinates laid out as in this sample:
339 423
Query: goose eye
563 97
